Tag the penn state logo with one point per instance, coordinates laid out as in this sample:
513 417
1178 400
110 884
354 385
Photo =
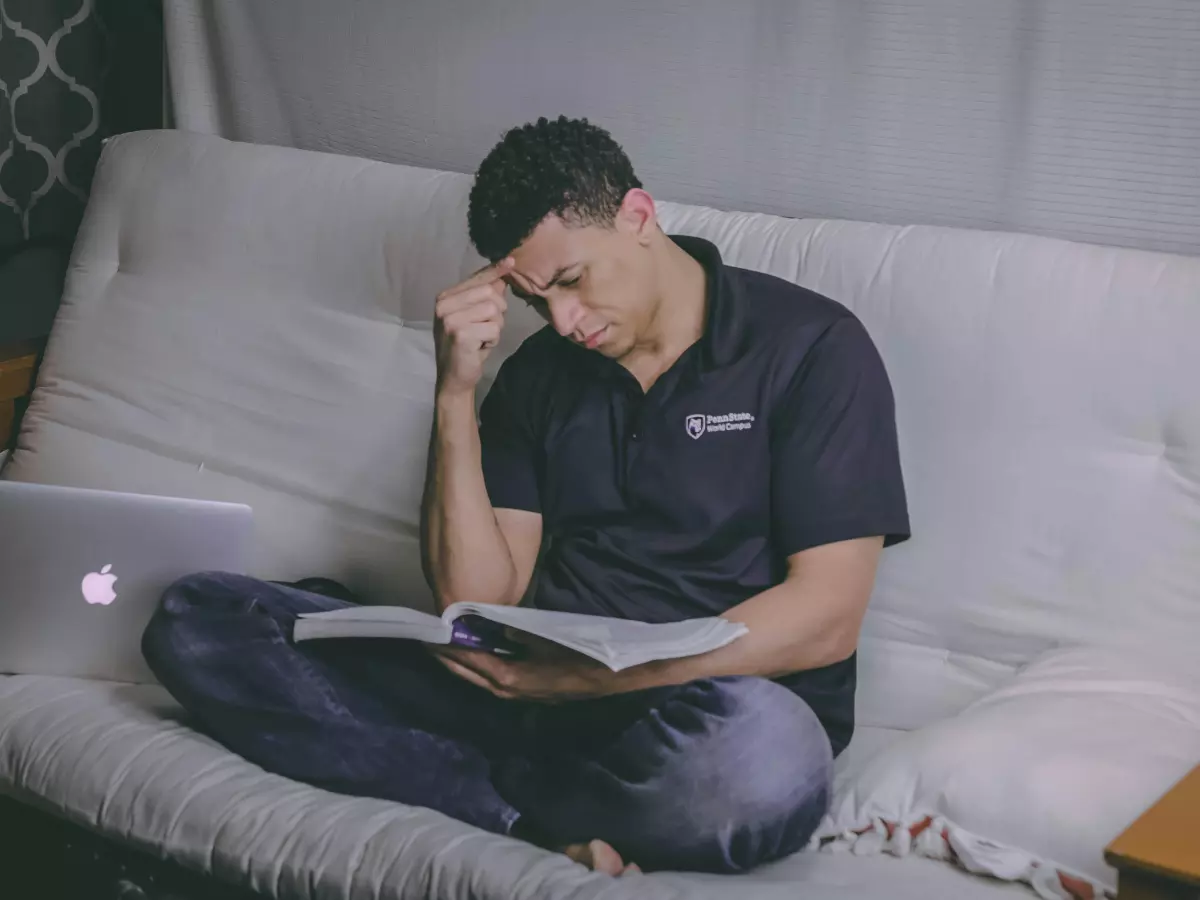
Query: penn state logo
699 425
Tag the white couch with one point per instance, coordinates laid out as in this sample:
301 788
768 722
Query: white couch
252 323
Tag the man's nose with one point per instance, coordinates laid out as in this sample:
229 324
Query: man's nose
565 312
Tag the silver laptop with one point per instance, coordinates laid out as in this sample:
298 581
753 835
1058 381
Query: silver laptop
81 572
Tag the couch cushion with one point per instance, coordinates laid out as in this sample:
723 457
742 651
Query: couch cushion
121 759
1041 774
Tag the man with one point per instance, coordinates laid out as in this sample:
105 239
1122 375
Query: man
684 439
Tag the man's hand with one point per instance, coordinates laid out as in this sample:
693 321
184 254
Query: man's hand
549 674
468 319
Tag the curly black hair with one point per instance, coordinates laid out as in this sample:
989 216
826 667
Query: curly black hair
567 167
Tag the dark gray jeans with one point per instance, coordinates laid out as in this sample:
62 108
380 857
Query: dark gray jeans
718 775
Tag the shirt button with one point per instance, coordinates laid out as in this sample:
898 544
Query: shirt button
636 435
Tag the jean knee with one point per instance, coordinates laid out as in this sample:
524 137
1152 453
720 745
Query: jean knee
207 609
784 770
767 770
179 617
718 775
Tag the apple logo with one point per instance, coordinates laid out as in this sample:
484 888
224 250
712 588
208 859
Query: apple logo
98 586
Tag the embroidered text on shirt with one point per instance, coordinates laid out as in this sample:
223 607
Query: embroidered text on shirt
700 424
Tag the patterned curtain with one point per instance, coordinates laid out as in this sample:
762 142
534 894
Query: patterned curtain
71 73
51 69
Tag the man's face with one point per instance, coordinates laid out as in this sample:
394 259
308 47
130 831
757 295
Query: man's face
595 285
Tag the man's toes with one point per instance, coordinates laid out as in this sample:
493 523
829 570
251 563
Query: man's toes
605 859
599 856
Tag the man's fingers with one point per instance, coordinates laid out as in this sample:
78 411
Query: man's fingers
467 674
475 676
452 661
480 295
483 334
486 275
477 309
538 646
480 662
489 273
479 326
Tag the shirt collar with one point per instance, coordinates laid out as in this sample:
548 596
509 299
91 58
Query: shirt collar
722 338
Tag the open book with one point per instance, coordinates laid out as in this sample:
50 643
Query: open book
617 643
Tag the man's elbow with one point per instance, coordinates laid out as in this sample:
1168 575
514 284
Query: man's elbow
485 591
842 646
837 643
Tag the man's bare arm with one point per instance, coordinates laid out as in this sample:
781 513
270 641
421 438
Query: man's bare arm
470 551
811 619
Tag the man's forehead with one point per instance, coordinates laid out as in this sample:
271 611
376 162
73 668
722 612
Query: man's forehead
551 248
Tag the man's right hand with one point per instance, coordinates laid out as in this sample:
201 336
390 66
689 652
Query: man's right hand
467 322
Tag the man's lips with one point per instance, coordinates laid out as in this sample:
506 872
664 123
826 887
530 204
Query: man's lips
594 338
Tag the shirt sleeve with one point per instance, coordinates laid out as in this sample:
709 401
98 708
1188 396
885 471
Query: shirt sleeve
510 451
835 461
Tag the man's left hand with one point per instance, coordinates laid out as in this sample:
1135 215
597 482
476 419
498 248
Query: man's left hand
545 677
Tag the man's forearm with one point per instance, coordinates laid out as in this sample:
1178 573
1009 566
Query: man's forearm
464 553
810 620
785 635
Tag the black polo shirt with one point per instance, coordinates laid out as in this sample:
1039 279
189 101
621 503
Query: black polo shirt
773 433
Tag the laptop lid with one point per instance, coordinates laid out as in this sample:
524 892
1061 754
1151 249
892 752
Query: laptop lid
82 571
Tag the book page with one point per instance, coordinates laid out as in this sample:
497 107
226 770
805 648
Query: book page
370 613
616 642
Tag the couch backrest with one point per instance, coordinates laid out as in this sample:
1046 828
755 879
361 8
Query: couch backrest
1048 403
252 323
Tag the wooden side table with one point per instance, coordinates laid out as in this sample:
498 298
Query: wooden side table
18 363
1158 856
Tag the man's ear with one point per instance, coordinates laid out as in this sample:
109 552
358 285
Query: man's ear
638 215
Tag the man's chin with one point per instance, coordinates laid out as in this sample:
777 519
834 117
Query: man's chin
612 346
610 351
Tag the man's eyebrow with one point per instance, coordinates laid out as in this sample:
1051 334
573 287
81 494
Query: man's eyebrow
557 276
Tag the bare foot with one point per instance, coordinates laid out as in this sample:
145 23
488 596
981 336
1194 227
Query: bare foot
600 857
